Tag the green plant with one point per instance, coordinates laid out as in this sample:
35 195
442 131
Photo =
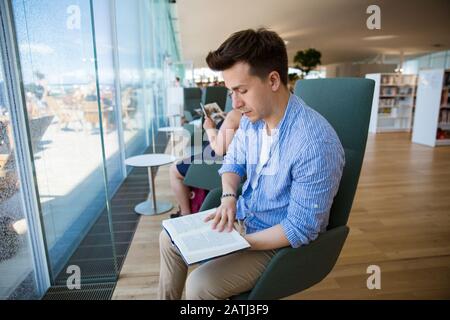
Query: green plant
307 60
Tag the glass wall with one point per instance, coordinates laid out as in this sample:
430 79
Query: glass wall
16 264
94 92
164 50
145 42
434 60
131 77
104 46
60 81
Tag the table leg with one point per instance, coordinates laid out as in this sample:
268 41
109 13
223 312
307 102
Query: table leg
151 206
173 143
151 185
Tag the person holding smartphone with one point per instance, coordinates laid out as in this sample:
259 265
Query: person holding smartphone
219 138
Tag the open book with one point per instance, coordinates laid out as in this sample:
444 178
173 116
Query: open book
196 241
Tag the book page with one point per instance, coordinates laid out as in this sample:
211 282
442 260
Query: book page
209 243
197 241
187 223
206 240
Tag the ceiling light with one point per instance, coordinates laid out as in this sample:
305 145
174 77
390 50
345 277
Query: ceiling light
376 38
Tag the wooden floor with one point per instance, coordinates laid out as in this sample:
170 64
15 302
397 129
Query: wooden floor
400 221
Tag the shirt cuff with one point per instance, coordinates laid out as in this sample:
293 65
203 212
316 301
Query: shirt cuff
292 234
232 168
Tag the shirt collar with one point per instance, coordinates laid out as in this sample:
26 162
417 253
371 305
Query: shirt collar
287 115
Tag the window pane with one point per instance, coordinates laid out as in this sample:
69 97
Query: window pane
438 60
105 61
16 265
58 69
131 77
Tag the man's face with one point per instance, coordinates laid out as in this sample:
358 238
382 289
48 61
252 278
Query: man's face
250 95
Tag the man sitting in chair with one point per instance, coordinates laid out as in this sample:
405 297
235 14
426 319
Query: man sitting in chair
293 161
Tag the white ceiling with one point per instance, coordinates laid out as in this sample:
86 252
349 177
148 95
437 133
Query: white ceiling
337 28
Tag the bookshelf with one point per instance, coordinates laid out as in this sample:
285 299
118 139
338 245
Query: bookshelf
432 116
393 102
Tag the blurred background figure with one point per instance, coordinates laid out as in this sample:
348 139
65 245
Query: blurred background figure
219 138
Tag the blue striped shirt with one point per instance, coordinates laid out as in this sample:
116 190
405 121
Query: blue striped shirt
296 187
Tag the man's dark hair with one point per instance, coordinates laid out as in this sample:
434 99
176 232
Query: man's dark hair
263 50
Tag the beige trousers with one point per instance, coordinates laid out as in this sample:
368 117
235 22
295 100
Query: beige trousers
219 278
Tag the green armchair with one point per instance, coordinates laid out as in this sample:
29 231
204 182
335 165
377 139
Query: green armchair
203 176
192 99
216 94
346 104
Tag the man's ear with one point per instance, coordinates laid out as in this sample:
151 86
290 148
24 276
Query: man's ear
274 80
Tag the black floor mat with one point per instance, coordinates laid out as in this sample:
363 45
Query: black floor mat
95 255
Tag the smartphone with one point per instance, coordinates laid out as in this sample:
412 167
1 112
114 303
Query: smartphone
203 109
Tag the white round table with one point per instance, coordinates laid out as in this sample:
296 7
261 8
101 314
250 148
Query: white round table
172 131
150 161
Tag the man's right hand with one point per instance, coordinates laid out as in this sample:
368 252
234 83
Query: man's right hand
224 215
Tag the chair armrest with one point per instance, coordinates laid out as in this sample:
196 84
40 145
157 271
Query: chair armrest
203 176
212 199
293 270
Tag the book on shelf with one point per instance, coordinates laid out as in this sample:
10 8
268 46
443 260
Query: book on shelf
445 99
387 79
197 241
389 91
387 102
447 79
384 111
398 80
405 91
444 115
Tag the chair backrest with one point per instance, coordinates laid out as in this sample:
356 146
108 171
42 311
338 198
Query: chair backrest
191 129
216 94
228 104
192 99
346 103
203 176
188 116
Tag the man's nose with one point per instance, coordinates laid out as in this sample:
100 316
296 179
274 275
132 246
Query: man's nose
237 103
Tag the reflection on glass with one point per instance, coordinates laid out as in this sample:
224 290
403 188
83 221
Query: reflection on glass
131 77
105 62
16 267
88 105
57 59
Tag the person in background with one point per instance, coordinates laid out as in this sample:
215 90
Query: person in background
219 139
